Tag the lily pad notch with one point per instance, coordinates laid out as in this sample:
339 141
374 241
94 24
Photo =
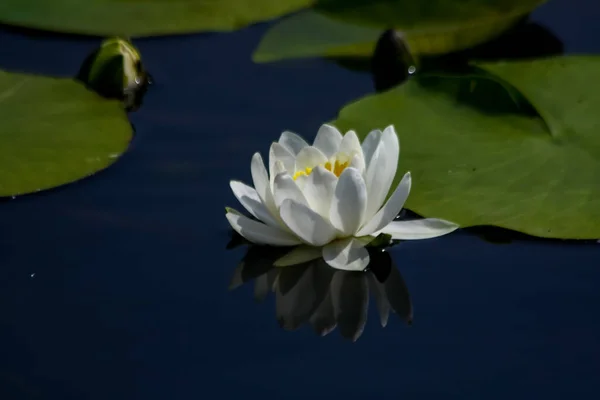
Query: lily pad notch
481 162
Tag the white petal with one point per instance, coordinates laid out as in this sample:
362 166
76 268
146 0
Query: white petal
370 144
358 162
292 142
382 170
309 157
328 140
349 202
280 153
390 136
318 190
347 254
306 224
419 229
299 255
301 181
260 233
279 168
248 197
390 210
285 188
260 179
276 169
264 187
351 145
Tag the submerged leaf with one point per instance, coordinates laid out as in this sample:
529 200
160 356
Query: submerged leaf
351 27
311 34
55 131
479 156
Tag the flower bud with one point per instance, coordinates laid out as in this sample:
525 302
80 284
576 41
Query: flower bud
115 70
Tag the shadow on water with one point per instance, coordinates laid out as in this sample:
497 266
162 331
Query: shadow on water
491 234
313 293
392 62
39 52
40 34
525 40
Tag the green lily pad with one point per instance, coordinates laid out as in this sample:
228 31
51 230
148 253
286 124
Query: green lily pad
142 17
479 158
55 131
337 28
312 34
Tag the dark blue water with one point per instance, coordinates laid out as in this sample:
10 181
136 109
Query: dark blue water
116 287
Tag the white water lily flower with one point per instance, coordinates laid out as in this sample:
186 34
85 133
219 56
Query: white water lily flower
329 196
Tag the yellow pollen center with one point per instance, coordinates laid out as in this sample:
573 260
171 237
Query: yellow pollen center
337 168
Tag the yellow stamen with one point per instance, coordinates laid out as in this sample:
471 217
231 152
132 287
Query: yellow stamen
337 168
304 172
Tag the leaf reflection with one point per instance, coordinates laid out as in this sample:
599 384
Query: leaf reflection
315 294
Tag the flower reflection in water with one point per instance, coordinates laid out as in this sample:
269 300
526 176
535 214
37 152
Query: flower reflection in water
314 293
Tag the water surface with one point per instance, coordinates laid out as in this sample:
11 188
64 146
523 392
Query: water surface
116 286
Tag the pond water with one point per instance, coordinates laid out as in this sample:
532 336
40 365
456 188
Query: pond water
117 286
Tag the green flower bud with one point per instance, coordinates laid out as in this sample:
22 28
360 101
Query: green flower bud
115 70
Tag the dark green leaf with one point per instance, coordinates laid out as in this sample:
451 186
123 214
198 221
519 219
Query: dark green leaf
55 131
142 17
350 27
479 158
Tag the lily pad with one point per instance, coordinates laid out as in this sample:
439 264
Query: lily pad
142 17
479 158
55 131
335 28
